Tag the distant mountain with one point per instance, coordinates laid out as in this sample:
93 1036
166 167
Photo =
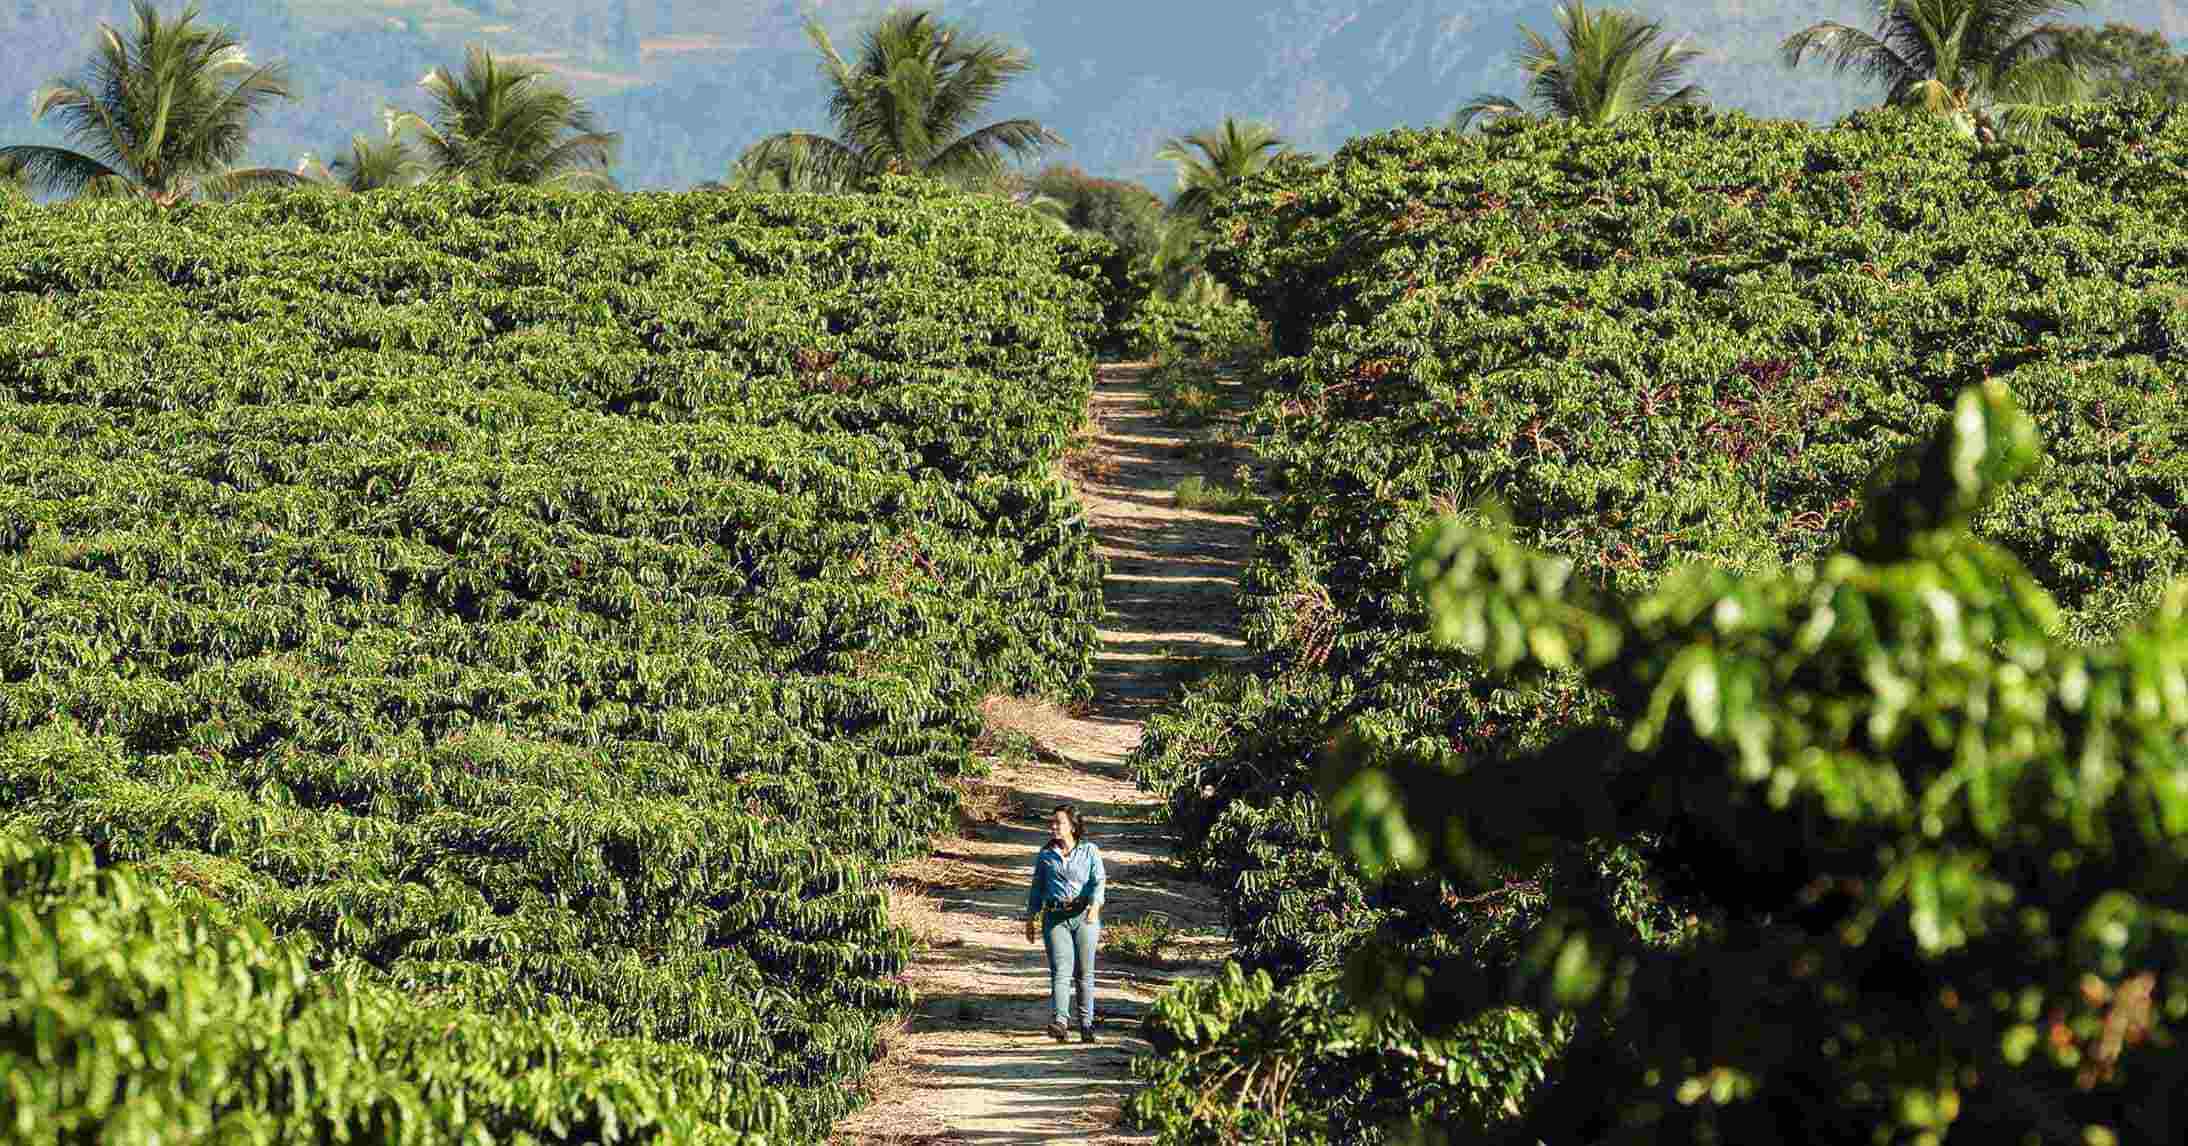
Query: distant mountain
690 83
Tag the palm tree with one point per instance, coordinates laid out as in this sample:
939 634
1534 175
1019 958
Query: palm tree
905 104
1049 208
162 115
783 168
1611 66
1226 157
502 122
371 163
1209 162
1180 263
1962 58
1020 191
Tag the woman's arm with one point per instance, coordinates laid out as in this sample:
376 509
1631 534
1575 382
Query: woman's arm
1033 902
1097 886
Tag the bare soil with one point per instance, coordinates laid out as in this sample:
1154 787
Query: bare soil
974 1065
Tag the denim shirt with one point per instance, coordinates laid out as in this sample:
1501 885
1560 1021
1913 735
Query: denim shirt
1058 878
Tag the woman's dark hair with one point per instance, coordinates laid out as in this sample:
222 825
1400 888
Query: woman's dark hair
1078 824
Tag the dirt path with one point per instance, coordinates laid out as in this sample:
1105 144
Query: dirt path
974 1065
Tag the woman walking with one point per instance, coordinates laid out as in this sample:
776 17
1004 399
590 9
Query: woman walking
1064 908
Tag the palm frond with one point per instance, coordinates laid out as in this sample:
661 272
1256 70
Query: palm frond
1563 83
972 76
1849 50
843 84
1197 174
580 179
2025 97
88 121
1049 208
1931 94
797 161
594 151
112 187
2040 42
441 156
238 182
1999 23
1659 83
221 131
2044 82
982 150
1484 107
1210 160
56 169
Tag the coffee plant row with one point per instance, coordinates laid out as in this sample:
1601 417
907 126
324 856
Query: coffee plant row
511 630
1685 339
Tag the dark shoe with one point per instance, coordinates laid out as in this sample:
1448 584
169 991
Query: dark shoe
1056 1031
1086 1034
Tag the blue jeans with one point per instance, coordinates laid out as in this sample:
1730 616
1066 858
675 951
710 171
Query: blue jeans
1070 940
